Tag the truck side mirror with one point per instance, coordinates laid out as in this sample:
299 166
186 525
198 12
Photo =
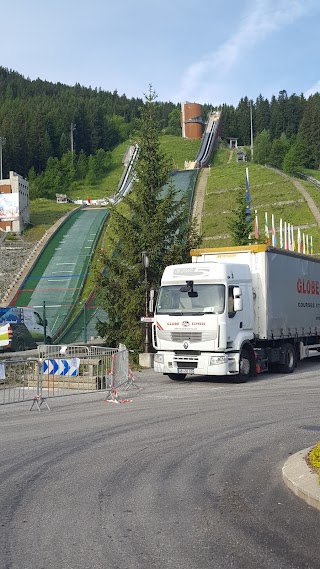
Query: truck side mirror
237 299
237 291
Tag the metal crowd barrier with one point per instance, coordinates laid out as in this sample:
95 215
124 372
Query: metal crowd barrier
20 380
65 370
75 369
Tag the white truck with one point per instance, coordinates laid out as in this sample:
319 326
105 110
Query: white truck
237 312
22 328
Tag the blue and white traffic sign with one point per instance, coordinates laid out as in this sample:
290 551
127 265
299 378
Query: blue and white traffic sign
61 367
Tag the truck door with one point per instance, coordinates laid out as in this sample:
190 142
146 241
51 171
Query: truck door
235 319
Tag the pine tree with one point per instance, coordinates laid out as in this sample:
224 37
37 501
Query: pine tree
241 225
154 220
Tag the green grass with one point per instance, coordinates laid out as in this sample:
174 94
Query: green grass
270 192
179 150
43 214
176 149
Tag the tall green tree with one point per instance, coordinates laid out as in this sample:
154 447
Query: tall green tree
241 225
174 126
151 219
262 147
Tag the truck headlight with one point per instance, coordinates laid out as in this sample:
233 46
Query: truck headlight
216 360
159 358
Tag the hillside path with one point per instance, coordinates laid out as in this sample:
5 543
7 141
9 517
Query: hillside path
311 204
199 196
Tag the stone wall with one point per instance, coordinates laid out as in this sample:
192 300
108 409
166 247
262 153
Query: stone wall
13 256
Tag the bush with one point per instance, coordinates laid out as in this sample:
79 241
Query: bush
315 458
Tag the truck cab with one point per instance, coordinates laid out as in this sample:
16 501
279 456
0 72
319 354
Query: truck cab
202 320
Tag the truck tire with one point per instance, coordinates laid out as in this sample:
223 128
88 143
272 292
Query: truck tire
244 367
19 345
289 359
177 376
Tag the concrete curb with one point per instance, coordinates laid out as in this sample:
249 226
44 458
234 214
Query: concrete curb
301 480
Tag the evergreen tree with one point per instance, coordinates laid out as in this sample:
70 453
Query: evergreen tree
241 225
297 157
91 177
174 126
156 221
279 148
81 166
262 147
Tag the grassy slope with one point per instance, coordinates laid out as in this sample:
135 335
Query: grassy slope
268 190
270 193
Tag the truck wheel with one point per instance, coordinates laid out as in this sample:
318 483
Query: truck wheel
244 367
177 376
20 347
289 359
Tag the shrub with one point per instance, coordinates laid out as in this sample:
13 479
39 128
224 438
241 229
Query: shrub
315 458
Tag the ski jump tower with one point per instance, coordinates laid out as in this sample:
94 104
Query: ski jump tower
191 120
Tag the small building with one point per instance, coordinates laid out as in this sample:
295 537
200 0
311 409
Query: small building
14 203
63 198
233 142
241 155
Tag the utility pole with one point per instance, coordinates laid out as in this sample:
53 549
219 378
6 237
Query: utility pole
72 129
3 141
251 129
145 263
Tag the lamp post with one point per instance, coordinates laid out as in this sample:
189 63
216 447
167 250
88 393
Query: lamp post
251 130
3 140
72 129
145 263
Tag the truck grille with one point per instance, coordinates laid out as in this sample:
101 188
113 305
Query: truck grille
192 336
183 336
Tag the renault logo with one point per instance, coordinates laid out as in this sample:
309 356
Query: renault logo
185 345
185 323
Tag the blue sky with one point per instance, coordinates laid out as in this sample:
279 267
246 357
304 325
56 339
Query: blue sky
211 52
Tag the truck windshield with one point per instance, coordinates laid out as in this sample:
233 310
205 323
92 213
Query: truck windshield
204 298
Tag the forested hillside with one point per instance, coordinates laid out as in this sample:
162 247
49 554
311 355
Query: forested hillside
36 118
39 119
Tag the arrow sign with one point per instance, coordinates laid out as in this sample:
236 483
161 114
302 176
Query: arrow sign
61 367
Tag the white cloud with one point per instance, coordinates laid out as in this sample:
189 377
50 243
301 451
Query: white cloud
263 18
312 90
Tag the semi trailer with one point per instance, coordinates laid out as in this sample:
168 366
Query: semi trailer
237 312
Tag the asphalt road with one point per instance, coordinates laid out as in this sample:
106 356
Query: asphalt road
187 476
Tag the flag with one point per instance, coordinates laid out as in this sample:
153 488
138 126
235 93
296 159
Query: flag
285 236
311 246
307 244
256 226
248 198
289 237
293 245
281 235
266 228
299 240
273 232
303 244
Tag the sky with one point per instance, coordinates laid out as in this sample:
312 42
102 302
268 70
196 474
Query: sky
212 52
